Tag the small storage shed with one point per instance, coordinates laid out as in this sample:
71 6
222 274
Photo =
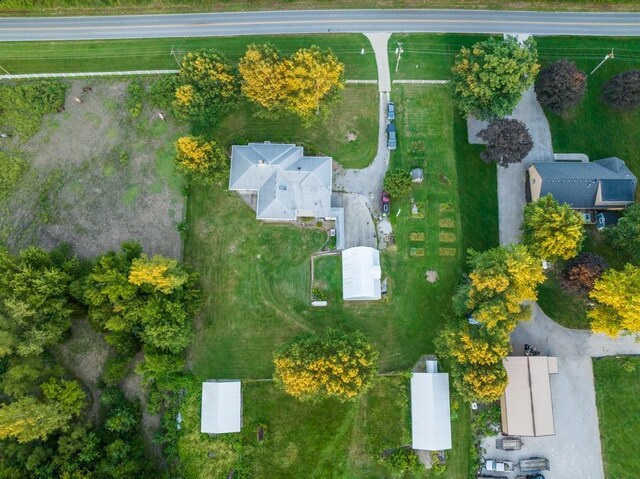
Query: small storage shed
430 410
361 274
221 407
417 175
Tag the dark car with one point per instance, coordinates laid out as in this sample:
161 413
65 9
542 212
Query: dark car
391 111
392 143
386 203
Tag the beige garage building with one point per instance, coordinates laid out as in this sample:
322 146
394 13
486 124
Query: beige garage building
526 405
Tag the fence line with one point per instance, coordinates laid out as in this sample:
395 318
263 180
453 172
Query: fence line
32 76
361 82
423 82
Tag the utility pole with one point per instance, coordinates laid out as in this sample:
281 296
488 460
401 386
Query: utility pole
606 57
174 56
399 51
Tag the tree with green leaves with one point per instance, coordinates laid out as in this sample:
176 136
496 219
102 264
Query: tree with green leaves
334 364
625 236
138 301
208 88
36 306
552 231
490 77
617 298
397 182
201 161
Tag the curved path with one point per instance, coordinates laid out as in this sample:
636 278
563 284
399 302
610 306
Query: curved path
317 21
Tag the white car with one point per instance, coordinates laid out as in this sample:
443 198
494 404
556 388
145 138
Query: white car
499 466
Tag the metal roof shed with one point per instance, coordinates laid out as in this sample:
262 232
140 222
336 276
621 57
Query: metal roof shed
361 274
526 405
430 411
221 407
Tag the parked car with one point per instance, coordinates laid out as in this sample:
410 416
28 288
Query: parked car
499 466
391 111
386 203
392 143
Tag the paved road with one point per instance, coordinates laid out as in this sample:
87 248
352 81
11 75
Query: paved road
318 21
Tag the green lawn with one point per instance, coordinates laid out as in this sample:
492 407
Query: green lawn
328 277
594 128
155 53
257 278
356 112
428 56
617 383
566 308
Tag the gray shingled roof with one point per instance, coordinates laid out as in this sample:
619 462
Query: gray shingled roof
577 183
288 183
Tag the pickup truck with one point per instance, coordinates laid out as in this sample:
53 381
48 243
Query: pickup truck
534 464
499 466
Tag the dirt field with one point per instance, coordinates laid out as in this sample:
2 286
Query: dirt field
98 177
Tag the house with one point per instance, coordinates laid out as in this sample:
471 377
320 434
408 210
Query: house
526 406
589 187
361 274
221 407
430 409
287 183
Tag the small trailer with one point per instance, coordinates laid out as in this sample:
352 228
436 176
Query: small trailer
534 464
509 444
499 466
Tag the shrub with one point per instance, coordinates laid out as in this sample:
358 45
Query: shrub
397 182
115 370
12 167
201 161
400 460
135 97
561 86
622 92
508 141
163 91
581 273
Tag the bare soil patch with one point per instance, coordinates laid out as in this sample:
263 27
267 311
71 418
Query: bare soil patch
98 177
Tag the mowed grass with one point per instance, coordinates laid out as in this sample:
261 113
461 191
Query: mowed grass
153 54
617 382
349 132
567 308
594 128
427 56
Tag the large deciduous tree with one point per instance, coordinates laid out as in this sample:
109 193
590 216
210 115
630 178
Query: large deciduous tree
334 364
201 161
617 297
302 84
622 92
490 77
560 86
625 236
397 182
208 87
508 141
552 231
35 299
141 301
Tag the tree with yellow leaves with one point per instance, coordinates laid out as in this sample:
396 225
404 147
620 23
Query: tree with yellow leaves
303 84
334 364
552 231
162 274
508 274
617 297
200 160
484 384
208 87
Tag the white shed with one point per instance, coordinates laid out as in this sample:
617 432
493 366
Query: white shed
361 274
430 410
221 407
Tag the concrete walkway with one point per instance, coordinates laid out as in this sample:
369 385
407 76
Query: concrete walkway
367 182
